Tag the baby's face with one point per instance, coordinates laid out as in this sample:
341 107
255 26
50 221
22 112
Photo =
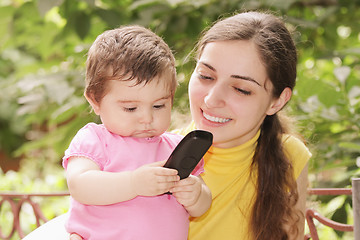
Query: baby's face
135 110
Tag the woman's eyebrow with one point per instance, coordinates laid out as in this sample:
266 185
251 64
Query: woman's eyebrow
233 76
208 66
246 78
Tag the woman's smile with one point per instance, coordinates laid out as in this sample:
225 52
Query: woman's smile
215 119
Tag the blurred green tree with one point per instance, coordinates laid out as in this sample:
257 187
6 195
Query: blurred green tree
43 48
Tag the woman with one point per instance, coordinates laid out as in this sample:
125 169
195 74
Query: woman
256 170
245 74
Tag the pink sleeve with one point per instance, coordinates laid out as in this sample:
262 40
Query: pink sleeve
86 143
199 168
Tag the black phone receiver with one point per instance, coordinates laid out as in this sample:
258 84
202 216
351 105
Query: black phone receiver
189 152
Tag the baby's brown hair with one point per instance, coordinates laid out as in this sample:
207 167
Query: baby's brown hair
128 53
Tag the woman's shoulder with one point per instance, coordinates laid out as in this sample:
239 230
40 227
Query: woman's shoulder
292 140
297 152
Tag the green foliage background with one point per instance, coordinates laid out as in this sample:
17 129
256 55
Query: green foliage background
43 45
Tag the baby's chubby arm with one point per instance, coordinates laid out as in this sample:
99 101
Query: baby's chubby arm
193 194
89 185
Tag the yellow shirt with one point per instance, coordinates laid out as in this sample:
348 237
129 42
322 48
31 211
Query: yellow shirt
227 174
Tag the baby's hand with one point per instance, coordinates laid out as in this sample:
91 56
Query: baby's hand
187 191
153 179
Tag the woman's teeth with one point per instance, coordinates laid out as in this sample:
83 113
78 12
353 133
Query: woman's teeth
216 119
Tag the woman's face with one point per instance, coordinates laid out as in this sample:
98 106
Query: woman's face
229 92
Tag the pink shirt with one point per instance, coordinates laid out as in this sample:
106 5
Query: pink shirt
159 217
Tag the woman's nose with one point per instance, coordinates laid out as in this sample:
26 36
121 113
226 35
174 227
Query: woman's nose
215 97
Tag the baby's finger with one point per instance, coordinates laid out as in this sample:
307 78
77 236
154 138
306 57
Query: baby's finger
167 179
166 171
186 182
182 195
184 199
182 189
74 236
165 187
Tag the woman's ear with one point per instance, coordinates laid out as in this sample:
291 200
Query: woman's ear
94 104
280 102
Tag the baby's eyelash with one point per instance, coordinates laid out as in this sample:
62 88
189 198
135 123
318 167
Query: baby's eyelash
159 106
132 109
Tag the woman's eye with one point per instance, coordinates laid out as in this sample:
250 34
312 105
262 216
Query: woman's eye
242 91
159 106
131 109
204 77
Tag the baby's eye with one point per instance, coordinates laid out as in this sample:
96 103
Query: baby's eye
159 106
242 91
130 109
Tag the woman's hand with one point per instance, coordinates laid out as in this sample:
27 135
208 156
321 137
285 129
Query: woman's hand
153 179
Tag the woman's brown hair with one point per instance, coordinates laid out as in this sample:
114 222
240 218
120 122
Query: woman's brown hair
277 194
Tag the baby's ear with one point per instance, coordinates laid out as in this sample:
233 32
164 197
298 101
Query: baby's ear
94 104
280 102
